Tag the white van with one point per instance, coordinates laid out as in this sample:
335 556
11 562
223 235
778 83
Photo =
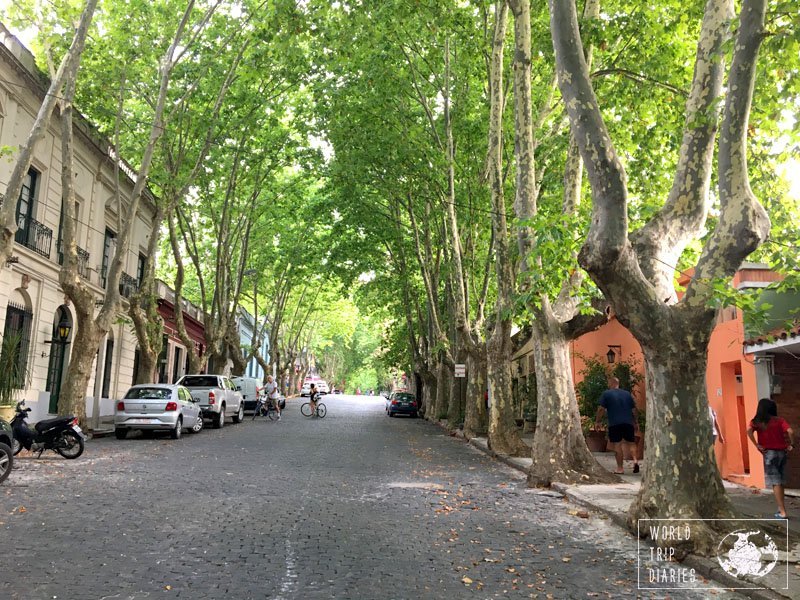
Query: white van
250 387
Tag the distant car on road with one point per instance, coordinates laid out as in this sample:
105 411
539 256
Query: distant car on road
402 403
336 391
218 397
157 407
322 387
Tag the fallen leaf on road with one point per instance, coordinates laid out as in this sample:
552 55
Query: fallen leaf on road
466 580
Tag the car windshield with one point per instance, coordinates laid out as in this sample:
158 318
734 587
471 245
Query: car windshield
199 381
404 397
149 393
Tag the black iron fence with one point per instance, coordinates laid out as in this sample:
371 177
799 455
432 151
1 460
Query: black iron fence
34 235
83 259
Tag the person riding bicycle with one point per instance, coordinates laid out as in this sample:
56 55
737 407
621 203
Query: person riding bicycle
271 390
313 395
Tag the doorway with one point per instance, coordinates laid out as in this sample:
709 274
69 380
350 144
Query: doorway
58 358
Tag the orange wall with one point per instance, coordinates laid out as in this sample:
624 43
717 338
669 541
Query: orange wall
725 361
734 402
596 343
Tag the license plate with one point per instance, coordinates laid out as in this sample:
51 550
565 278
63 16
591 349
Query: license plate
142 421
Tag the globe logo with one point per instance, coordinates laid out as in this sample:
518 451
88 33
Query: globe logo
743 552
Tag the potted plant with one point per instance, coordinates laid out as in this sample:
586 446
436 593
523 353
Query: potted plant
13 372
589 389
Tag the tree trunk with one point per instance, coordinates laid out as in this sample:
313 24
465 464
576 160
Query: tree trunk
681 477
455 407
429 394
476 416
504 437
559 448
72 400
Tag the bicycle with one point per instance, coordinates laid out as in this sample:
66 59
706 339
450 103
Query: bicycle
265 408
321 411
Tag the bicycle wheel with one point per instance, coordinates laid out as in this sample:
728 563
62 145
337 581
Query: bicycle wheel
256 411
321 410
305 409
272 414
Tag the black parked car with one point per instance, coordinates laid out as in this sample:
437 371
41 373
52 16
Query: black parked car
6 455
402 403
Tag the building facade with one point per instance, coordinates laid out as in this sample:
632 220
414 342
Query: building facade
173 363
248 326
740 370
32 305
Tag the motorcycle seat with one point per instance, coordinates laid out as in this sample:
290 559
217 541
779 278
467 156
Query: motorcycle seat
49 423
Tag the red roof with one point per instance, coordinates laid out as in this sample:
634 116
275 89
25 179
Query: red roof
781 333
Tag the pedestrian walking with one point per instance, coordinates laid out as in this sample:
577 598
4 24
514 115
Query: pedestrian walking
716 430
622 423
774 442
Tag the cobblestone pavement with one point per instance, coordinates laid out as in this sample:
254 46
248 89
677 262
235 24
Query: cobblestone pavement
356 505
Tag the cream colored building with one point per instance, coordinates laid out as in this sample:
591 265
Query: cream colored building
31 300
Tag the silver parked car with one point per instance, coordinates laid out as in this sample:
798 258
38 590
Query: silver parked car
157 407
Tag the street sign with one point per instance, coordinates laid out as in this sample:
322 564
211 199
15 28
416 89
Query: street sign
461 370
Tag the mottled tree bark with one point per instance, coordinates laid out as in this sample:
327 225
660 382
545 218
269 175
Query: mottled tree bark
682 479
503 434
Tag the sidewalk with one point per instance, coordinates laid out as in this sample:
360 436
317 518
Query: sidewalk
613 501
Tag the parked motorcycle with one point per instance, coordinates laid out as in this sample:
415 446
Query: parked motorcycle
62 434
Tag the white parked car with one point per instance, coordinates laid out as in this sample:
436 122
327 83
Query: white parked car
323 388
157 407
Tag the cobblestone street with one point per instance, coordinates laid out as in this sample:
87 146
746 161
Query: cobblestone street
356 505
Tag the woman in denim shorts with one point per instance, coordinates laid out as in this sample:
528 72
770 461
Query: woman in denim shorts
774 442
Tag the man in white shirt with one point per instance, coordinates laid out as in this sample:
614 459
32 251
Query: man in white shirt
271 389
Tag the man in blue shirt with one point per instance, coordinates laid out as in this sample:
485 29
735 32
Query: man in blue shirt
622 423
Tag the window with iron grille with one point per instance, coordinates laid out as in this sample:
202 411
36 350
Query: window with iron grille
17 339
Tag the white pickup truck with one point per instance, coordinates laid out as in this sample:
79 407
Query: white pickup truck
217 396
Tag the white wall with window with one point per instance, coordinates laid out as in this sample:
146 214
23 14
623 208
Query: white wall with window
29 290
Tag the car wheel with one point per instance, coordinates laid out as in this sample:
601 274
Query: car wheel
239 416
175 434
198 425
120 433
16 446
390 413
219 419
6 462
415 415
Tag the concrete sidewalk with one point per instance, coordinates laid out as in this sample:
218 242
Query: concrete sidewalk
613 501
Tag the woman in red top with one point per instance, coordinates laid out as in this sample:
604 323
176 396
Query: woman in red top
774 442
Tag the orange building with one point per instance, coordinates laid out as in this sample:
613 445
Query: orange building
739 372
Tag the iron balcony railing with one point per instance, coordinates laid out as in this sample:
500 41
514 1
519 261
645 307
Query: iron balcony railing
83 259
127 285
34 235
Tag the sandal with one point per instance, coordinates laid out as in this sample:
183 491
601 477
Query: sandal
778 515
619 472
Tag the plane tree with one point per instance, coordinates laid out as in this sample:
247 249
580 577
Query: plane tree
635 269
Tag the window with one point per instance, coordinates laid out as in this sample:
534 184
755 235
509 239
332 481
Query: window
107 368
140 269
149 393
109 248
16 341
26 199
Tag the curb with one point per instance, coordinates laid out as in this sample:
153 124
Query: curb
705 567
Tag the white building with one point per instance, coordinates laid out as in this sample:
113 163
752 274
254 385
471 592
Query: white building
31 300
